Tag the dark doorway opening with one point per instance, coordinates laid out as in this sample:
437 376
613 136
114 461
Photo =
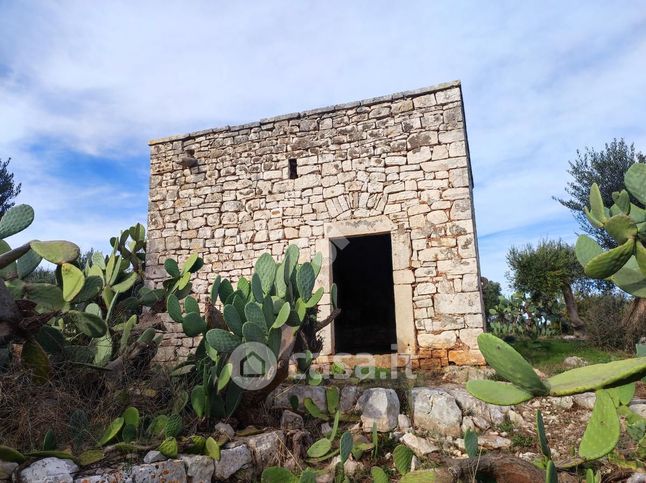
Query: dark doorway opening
363 272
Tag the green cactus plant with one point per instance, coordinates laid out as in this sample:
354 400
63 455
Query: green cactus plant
625 221
612 381
92 305
270 308
29 255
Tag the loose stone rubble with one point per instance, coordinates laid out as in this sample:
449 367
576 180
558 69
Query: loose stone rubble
397 164
438 419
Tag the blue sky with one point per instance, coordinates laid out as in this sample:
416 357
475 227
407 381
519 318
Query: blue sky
84 86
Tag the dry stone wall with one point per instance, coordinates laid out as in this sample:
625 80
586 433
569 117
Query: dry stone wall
397 163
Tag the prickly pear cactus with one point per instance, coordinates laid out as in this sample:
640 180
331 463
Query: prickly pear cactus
270 308
510 365
612 381
91 305
625 221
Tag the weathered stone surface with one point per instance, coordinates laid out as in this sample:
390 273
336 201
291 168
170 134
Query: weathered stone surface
639 408
380 406
493 441
170 470
565 402
265 448
419 445
224 429
471 405
199 468
585 400
574 361
49 470
231 461
154 456
108 475
349 396
280 397
403 423
289 420
516 419
399 162
436 410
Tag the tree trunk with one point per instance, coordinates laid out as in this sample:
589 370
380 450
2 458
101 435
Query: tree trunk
633 322
501 467
572 312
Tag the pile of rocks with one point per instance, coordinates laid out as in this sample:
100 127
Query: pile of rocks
245 458
426 419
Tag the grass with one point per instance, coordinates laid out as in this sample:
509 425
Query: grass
547 355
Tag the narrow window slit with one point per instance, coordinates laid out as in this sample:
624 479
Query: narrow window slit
293 172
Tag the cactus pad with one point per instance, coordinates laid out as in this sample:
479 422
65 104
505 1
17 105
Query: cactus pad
254 313
276 474
111 431
57 251
403 458
621 228
266 269
509 364
622 395
631 279
28 263
319 448
212 448
222 340
73 281
16 219
495 392
640 256
169 448
602 433
607 263
550 473
193 324
635 181
542 438
305 278
232 318
173 308
256 288
597 210
48 297
597 376
586 249
34 358
174 424
253 333
89 324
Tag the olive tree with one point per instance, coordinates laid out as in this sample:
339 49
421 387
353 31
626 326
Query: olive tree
546 271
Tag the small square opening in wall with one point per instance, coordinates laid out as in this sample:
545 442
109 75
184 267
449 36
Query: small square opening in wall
293 169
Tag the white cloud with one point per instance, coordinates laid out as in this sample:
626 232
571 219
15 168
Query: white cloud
539 82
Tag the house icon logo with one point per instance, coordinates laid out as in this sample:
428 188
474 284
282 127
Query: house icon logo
254 366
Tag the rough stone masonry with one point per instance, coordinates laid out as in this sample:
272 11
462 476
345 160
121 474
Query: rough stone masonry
396 164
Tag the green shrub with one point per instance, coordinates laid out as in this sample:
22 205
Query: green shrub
603 314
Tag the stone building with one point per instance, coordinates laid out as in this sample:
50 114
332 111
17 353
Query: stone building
382 187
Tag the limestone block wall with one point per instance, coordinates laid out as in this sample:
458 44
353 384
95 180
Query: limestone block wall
396 164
